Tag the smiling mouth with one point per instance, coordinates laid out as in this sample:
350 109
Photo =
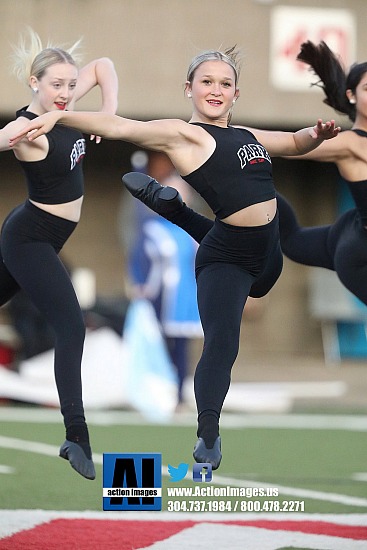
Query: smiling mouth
61 106
214 102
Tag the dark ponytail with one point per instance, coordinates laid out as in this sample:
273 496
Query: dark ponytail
333 79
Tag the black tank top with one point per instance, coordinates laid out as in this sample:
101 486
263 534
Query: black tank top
358 189
238 173
58 178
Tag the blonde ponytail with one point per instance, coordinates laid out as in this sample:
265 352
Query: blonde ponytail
30 58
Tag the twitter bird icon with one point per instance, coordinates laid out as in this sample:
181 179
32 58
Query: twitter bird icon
176 474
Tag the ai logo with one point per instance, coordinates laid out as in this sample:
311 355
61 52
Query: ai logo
132 481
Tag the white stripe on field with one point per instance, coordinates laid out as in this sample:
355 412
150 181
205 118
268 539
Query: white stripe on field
356 423
360 476
6 469
51 450
13 521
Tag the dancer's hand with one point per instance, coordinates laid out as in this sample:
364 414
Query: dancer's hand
36 127
324 130
97 139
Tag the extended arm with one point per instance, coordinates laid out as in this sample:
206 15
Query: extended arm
296 143
347 151
332 150
158 135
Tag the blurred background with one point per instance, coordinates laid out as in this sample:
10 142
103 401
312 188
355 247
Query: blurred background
152 43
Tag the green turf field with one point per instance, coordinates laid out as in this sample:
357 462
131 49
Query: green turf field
325 468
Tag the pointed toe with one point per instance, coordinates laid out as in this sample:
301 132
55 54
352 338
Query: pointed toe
160 199
78 460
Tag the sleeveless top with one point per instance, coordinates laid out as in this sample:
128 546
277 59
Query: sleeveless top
58 178
358 189
237 174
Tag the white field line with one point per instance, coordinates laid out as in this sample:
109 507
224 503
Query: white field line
356 423
13 521
360 476
6 469
339 519
51 450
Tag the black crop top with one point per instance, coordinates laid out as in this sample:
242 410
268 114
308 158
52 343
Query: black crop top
238 173
358 189
58 178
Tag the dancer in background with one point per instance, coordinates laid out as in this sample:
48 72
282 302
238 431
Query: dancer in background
341 246
231 168
34 233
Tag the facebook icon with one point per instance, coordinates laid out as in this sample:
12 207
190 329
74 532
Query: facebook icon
202 472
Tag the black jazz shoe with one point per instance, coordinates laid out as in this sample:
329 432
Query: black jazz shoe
78 459
160 199
211 456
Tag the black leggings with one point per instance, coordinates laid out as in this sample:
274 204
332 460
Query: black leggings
232 263
30 242
341 246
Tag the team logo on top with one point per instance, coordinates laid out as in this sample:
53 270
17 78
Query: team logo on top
77 152
252 153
